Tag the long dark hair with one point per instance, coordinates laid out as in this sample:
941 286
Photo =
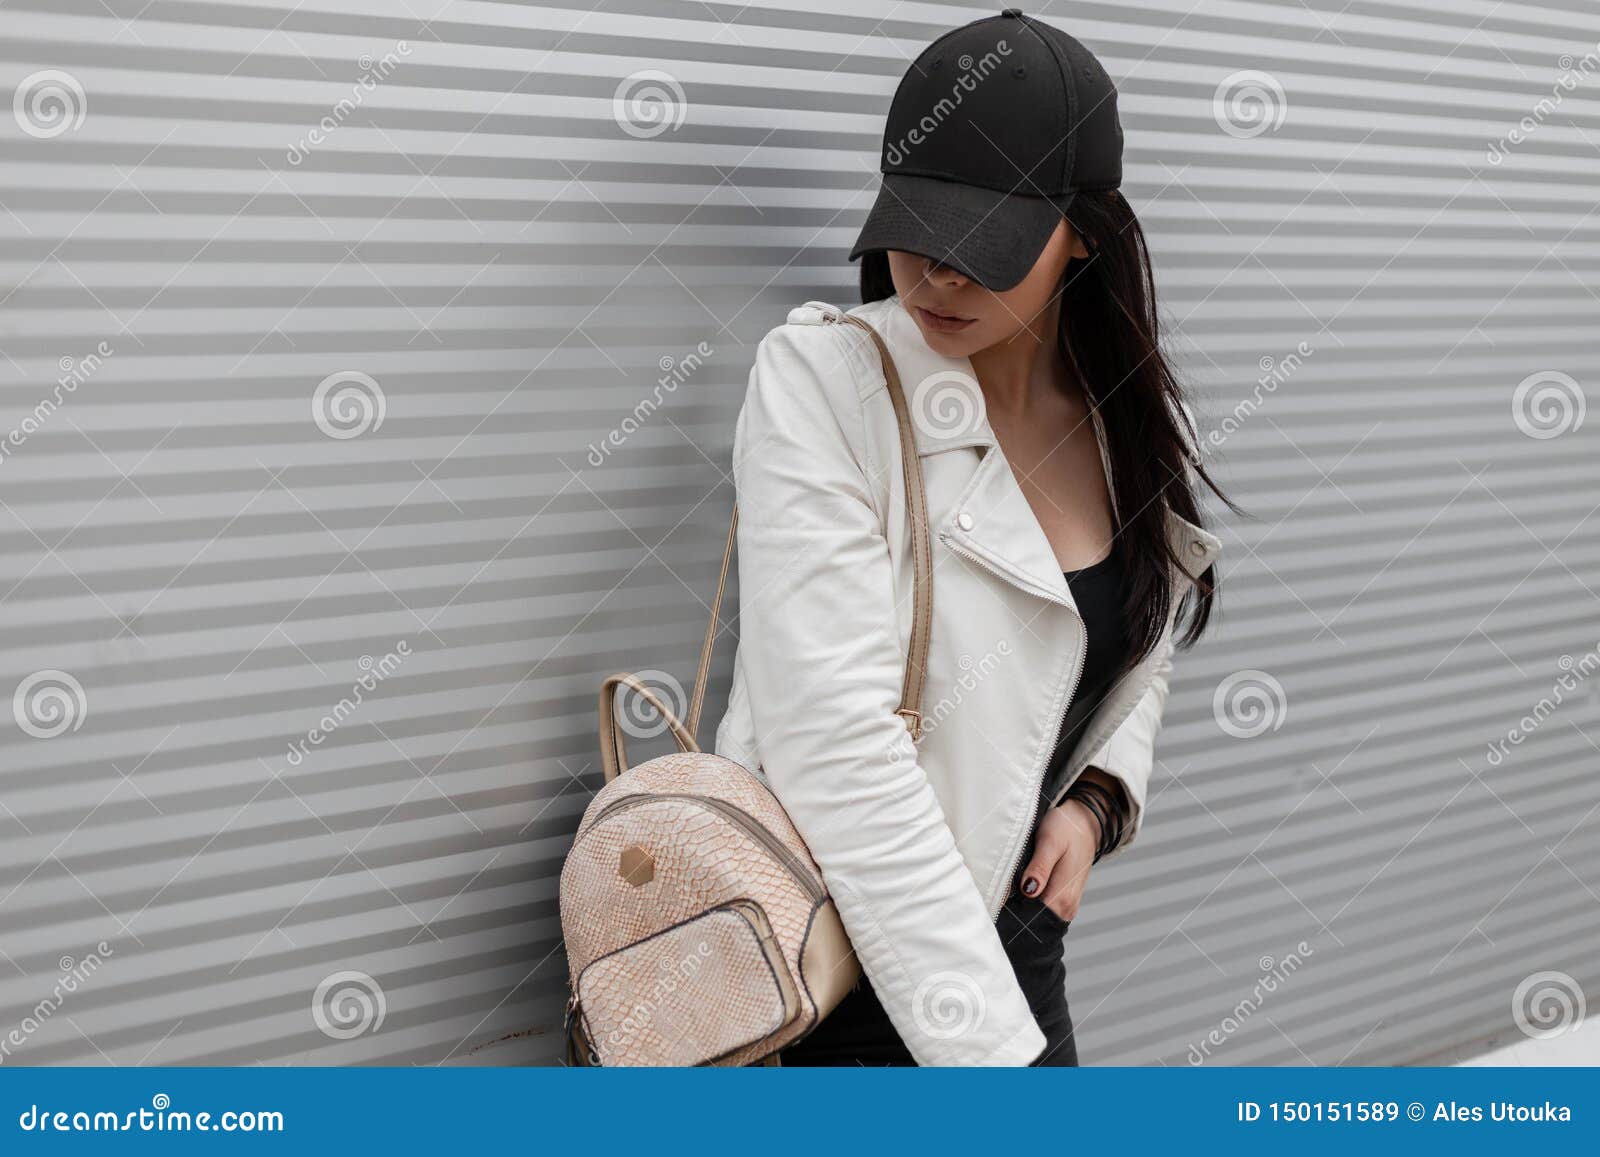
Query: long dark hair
1109 336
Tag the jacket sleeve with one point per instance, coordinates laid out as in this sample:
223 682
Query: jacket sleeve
824 657
1129 755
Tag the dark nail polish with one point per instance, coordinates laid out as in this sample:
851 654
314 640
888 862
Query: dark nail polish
1030 886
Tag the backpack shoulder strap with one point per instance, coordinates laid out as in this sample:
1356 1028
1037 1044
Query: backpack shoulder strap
921 556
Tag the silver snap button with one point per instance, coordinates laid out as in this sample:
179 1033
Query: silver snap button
964 520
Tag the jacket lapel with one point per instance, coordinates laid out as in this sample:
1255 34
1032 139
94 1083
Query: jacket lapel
992 521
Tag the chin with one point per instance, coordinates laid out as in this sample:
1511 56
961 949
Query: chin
951 345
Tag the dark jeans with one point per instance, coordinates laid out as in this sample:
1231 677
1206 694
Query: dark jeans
859 1031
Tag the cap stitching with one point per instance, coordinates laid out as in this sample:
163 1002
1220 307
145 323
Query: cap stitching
1070 163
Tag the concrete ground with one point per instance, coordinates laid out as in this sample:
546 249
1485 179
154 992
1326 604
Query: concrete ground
1581 1046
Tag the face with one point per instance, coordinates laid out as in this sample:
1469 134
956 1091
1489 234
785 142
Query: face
958 317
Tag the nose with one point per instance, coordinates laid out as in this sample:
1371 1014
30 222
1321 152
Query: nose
937 273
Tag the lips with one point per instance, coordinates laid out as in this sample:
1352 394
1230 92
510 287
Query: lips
942 322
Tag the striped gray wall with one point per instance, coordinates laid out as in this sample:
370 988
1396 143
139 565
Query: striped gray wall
367 413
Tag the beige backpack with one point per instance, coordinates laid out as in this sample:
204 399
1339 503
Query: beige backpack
697 926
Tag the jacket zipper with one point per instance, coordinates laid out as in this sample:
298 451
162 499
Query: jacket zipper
1037 778
834 317
1093 740
735 815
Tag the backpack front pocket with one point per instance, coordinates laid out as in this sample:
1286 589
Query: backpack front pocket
689 994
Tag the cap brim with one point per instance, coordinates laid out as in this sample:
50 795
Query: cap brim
991 236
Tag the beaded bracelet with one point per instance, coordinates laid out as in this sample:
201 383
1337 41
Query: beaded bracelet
1106 808
1095 806
1119 818
1115 808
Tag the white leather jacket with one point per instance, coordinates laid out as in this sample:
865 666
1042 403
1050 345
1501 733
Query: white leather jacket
917 843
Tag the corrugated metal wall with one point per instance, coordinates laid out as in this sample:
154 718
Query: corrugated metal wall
370 372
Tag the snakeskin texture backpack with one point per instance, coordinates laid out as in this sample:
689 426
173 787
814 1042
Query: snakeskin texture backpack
698 930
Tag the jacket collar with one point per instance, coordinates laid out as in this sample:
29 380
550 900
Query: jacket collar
992 518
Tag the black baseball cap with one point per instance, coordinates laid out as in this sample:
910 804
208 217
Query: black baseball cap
992 132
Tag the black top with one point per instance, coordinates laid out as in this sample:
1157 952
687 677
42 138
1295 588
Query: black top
1097 589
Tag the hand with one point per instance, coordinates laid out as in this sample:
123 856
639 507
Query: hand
1063 854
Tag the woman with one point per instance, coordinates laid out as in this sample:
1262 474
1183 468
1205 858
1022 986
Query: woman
1010 282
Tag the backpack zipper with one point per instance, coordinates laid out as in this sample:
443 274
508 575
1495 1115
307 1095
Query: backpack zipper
735 815
758 919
